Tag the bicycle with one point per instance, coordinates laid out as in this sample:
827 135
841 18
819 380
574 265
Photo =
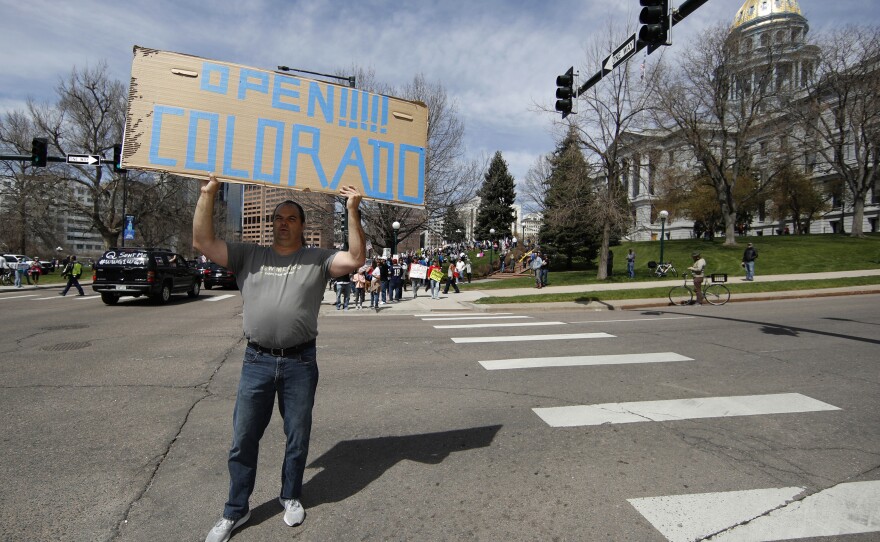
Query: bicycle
7 277
665 268
714 291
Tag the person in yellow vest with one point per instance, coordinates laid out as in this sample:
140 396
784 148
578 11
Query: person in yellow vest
73 271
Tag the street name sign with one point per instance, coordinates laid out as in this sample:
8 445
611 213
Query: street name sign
191 116
620 54
84 159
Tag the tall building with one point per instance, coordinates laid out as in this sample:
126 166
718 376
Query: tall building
759 27
259 201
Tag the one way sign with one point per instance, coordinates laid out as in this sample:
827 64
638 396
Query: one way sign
622 53
84 159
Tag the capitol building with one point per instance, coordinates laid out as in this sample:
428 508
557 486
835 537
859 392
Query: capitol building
764 31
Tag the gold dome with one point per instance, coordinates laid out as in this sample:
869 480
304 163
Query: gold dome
755 9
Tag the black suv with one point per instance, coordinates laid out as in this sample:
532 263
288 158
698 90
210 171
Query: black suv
153 272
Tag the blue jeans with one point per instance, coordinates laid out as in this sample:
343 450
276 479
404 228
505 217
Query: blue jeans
343 291
750 270
263 376
631 269
386 291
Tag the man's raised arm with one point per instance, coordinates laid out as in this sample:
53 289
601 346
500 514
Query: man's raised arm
348 262
204 239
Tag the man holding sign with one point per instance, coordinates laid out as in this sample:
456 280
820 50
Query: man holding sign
282 287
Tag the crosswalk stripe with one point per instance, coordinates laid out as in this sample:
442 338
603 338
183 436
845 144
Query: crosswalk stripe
473 318
518 338
574 361
451 316
18 296
219 297
514 324
765 514
680 409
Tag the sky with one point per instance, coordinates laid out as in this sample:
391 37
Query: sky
497 59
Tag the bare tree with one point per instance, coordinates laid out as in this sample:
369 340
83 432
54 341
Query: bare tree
449 179
89 118
608 110
840 116
26 195
718 102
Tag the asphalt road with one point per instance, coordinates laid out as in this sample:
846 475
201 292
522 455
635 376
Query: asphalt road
117 420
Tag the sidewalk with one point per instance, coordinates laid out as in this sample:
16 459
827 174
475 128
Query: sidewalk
452 302
464 301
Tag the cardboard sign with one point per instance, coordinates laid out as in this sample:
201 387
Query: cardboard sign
437 275
191 116
418 271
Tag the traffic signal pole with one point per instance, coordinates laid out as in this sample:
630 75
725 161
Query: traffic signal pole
678 15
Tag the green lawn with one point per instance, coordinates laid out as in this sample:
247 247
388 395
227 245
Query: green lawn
780 254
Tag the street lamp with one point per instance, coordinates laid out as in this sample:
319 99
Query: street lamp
491 250
394 226
663 215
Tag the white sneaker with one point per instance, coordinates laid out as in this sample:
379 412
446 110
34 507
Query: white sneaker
293 511
222 530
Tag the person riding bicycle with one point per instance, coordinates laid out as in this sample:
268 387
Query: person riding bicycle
697 270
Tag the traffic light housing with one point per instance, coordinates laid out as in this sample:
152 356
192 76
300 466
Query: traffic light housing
656 23
39 151
117 158
565 93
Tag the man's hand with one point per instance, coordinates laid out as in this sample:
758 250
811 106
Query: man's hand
353 197
210 186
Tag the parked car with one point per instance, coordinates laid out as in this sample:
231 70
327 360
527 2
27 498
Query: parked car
13 259
217 275
46 266
154 272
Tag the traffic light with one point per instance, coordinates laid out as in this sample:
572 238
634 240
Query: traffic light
39 151
655 18
565 95
117 158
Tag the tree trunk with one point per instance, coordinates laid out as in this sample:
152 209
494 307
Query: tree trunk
730 228
858 218
602 273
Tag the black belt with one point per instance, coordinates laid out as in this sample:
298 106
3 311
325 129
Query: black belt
283 352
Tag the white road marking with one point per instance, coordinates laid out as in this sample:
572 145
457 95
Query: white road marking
574 361
680 409
635 319
514 324
518 338
18 296
472 318
440 314
742 516
219 297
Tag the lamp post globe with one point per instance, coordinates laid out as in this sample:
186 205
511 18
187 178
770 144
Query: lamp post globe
394 226
664 214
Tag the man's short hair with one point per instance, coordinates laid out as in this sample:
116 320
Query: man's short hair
302 213
695 254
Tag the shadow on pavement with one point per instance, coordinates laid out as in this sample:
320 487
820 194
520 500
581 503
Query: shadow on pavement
351 465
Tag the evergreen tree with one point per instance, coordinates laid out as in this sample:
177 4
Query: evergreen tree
567 228
496 199
453 226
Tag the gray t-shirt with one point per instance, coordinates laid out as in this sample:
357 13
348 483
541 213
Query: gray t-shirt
282 294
